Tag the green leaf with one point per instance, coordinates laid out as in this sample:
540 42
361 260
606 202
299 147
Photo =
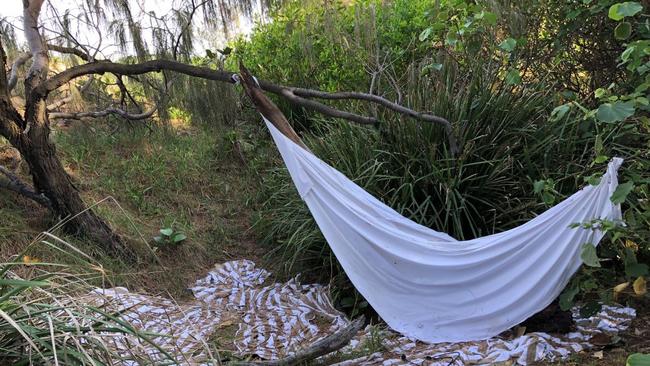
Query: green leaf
590 309
538 186
566 299
548 198
623 31
347 302
560 111
167 231
589 255
179 238
22 283
508 44
601 159
600 92
451 39
425 34
621 192
573 13
513 77
589 284
593 180
158 239
490 18
434 66
626 9
638 359
615 112
625 56
636 269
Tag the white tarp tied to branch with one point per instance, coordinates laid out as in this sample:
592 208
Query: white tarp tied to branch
429 286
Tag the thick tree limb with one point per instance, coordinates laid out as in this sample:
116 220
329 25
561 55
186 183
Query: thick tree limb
297 96
23 58
267 108
11 122
40 60
104 113
13 183
101 67
325 346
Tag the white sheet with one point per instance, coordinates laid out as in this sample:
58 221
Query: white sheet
426 284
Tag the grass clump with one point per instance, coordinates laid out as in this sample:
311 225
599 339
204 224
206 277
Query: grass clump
41 321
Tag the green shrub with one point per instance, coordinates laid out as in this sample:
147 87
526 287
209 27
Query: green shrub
495 70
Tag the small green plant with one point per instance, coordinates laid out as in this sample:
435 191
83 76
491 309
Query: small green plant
169 238
546 190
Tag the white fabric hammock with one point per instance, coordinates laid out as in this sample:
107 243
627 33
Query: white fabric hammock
429 286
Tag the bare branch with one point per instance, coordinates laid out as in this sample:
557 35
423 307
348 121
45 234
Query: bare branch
295 95
13 183
63 101
319 107
104 113
23 58
70 50
310 93
17 64
185 28
327 345
102 67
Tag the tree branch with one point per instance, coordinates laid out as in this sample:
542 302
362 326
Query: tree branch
104 113
23 58
13 183
298 96
327 345
63 101
40 60
267 108
11 122
70 50
17 64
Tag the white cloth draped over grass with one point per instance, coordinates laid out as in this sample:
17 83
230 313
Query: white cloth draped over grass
430 286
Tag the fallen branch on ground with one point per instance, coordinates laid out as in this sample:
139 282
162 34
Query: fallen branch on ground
327 345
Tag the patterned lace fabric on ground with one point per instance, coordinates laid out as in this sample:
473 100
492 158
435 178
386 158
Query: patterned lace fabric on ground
236 307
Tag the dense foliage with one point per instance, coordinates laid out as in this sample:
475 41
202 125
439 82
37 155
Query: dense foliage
540 94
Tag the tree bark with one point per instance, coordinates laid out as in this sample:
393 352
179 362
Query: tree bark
51 180
31 136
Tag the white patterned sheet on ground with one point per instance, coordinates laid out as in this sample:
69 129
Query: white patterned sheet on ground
274 320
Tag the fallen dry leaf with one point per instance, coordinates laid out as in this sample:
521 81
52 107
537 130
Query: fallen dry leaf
640 286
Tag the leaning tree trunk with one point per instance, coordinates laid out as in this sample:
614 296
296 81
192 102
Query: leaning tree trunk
51 179
31 136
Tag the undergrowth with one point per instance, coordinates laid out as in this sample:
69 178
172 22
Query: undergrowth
142 179
488 69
